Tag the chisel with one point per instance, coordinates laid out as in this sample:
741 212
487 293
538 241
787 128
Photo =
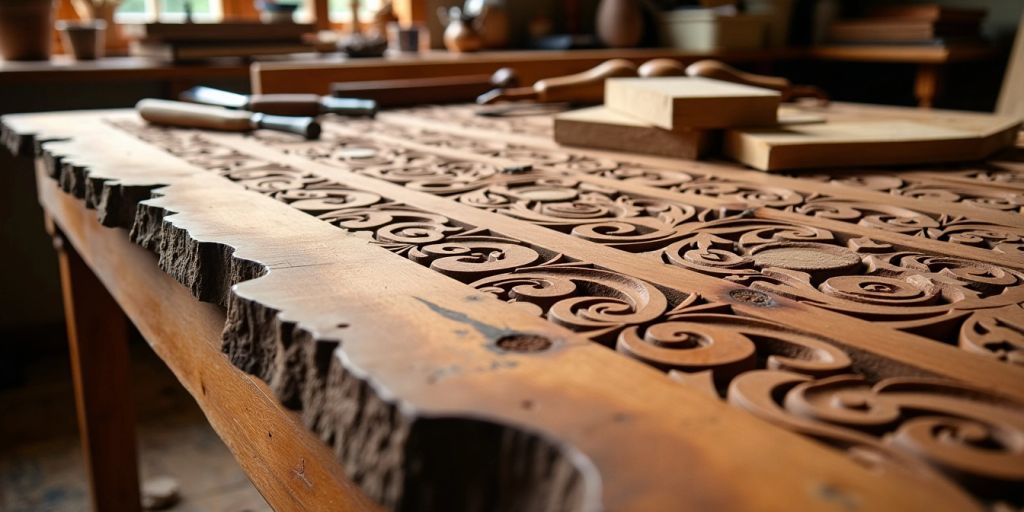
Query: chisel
282 104
190 115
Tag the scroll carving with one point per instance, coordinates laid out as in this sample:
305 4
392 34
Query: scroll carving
927 295
914 424
949 434
733 191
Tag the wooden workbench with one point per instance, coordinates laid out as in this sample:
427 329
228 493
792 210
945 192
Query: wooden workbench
600 331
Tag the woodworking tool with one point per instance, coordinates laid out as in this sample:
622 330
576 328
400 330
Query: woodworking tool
717 70
190 115
282 104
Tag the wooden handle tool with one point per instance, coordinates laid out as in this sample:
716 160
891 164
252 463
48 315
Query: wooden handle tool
584 87
416 91
721 71
661 67
190 115
282 104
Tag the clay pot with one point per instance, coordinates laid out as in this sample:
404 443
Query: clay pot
459 36
620 23
25 29
85 38
491 21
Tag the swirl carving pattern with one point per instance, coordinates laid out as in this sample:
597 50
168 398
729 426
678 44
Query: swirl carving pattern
967 442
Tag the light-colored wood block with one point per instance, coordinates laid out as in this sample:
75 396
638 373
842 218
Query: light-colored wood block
945 138
602 128
691 102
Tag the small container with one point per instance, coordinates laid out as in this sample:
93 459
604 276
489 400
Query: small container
411 39
85 39
25 29
707 30
273 12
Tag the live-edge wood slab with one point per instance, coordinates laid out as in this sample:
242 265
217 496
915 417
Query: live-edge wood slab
455 357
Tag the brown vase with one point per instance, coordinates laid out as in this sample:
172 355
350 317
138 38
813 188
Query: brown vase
620 23
459 35
26 27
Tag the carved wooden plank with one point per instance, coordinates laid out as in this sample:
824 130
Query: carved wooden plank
442 225
600 215
287 463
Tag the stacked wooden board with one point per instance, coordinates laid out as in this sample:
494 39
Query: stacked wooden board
684 117
670 116
194 41
925 24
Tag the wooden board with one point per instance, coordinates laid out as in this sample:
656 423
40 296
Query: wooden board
316 76
1011 96
876 142
416 91
231 31
603 128
460 334
688 102
181 52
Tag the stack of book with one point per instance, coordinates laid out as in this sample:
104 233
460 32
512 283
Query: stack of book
176 42
910 24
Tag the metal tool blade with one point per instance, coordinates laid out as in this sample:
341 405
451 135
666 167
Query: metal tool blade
211 96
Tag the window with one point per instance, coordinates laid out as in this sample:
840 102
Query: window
340 10
138 11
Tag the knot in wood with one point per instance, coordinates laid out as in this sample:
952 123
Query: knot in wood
752 297
523 343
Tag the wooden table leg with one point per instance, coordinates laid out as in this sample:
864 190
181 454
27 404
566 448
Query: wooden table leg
926 85
98 339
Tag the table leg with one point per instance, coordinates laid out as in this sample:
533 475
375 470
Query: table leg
98 340
926 85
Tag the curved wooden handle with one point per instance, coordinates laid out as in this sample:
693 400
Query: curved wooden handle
583 87
721 71
661 67
191 115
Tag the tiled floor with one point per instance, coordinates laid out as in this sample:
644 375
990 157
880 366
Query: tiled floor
41 463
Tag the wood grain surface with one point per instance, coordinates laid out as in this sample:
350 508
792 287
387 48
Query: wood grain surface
473 317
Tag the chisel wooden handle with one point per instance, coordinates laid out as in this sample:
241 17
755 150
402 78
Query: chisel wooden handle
310 105
720 71
281 104
189 115
583 87
285 104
